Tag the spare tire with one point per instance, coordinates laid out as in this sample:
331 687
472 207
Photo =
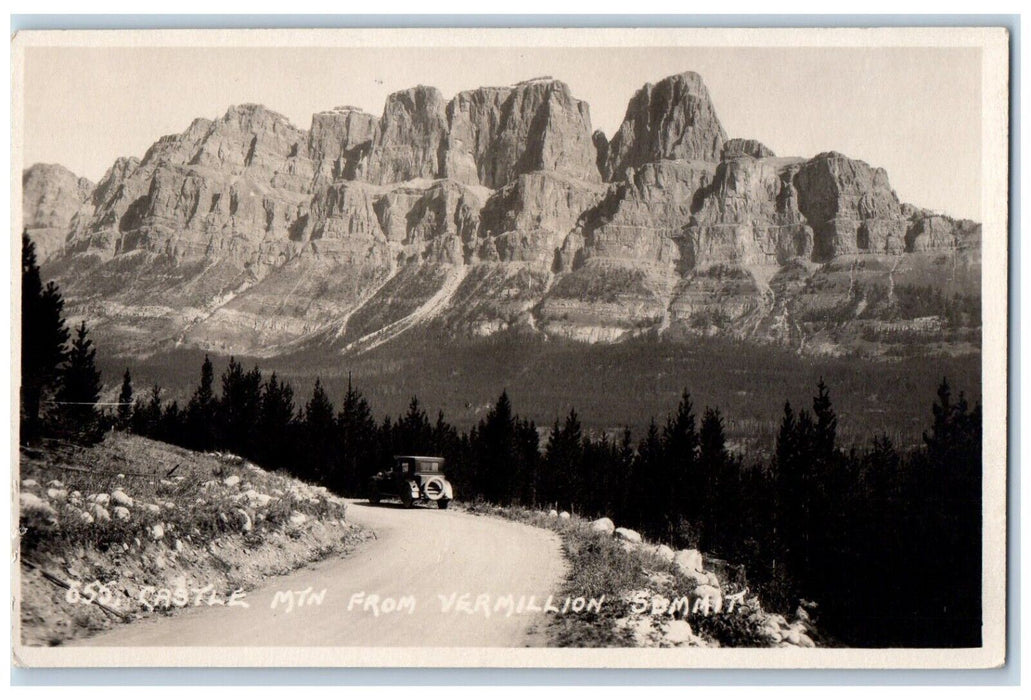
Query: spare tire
433 489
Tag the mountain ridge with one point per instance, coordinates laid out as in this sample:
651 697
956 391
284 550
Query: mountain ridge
247 234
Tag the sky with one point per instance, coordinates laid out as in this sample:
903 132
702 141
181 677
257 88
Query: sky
916 112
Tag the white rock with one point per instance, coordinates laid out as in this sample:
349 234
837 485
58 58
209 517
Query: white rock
603 525
121 476
297 518
29 483
553 513
231 480
152 507
711 594
632 536
157 531
665 553
32 502
100 513
56 494
262 499
178 545
679 632
246 524
121 512
563 515
100 498
688 560
695 578
85 517
55 484
121 498
76 494
169 505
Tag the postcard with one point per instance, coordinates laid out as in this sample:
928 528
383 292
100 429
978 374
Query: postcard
622 348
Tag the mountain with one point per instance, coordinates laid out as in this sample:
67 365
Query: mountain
54 202
498 210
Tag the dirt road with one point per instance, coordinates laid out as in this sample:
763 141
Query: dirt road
422 560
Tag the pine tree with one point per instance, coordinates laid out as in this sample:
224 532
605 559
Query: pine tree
678 500
275 423
528 457
201 412
496 452
563 460
949 483
624 477
357 429
414 433
171 426
80 388
146 416
320 436
650 474
239 408
125 402
712 466
826 423
43 339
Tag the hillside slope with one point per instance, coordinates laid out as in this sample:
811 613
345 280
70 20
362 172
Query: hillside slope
149 529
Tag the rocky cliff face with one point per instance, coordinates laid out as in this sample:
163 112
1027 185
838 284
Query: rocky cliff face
55 202
497 134
673 119
495 209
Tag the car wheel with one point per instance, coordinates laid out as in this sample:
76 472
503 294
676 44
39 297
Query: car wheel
443 503
406 500
373 494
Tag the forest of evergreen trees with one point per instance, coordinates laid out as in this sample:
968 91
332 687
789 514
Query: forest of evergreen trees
886 542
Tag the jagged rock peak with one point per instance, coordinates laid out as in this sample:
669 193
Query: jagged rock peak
339 139
52 195
411 137
497 134
672 119
54 201
251 112
850 206
735 148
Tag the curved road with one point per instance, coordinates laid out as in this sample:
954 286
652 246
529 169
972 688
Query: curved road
421 554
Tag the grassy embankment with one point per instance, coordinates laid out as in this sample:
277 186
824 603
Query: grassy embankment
627 575
143 526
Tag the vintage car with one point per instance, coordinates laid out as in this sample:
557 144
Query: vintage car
413 479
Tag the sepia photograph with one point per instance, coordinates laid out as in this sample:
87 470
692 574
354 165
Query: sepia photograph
616 348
